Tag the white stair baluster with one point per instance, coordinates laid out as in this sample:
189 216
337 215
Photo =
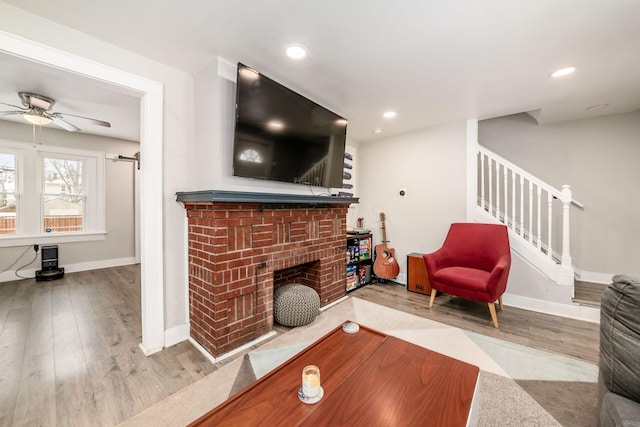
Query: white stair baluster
505 190
490 184
522 206
513 200
549 222
498 191
483 202
566 243
539 193
530 212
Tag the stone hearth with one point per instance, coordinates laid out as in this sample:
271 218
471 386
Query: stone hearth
239 250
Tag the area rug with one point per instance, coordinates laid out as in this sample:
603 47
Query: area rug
517 386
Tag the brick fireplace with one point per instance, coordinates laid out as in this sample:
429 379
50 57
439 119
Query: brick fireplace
243 245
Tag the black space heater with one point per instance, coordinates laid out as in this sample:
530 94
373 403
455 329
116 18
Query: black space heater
50 269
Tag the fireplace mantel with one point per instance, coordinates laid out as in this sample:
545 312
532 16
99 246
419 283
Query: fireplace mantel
243 196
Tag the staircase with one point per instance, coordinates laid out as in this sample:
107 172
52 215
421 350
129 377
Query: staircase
537 216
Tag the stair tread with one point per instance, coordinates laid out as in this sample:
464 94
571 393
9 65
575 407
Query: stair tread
588 293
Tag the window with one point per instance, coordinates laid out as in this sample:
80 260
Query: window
50 194
8 193
63 195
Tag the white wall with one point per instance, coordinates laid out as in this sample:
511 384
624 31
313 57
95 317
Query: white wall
599 158
179 134
430 164
118 246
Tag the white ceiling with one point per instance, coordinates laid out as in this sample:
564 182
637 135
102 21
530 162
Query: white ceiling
73 94
431 61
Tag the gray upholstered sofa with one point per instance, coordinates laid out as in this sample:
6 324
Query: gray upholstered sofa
619 382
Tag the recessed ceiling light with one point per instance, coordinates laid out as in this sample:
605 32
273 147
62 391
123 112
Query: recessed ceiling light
296 51
563 72
389 114
377 130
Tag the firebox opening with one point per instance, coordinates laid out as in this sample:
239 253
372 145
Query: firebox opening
306 274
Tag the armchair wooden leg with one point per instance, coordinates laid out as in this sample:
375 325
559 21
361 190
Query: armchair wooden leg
433 297
494 316
500 303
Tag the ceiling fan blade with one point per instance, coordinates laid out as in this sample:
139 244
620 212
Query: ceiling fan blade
94 121
14 106
9 113
63 124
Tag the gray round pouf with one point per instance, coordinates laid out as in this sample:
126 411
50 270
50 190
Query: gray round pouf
295 305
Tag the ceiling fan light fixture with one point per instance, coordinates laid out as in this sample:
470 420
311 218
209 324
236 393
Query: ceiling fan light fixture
37 119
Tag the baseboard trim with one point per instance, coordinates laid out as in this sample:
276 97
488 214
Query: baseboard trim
9 276
147 352
176 335
95 265
233 352
331 304
572 311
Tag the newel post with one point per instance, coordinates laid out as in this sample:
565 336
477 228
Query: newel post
565 271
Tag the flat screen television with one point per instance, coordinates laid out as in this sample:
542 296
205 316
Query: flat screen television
282 136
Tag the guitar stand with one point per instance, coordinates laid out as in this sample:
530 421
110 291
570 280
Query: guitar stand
377 279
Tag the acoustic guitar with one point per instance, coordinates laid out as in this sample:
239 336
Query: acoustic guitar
385 266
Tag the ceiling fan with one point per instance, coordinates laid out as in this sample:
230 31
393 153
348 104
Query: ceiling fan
37 110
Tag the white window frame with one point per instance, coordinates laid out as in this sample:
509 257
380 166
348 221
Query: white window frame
29 212
18 184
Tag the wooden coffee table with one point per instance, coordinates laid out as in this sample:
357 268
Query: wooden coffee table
368 378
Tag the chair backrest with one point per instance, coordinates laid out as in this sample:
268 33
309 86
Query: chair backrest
477 245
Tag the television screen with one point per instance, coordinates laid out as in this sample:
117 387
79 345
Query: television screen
282 136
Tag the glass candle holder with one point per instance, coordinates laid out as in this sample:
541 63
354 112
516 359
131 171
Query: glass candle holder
311 381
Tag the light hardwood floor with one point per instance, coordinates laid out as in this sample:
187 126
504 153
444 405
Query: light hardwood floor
69 350
70 355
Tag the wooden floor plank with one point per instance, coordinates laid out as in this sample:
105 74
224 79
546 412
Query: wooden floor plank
74 405
7 294
35 402
13 340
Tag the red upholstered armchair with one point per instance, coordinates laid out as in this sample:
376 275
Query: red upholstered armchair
473 263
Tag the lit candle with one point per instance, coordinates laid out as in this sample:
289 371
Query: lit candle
311 381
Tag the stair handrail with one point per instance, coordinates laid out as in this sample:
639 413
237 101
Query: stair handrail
556 192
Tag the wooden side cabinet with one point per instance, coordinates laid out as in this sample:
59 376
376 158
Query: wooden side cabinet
417 277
